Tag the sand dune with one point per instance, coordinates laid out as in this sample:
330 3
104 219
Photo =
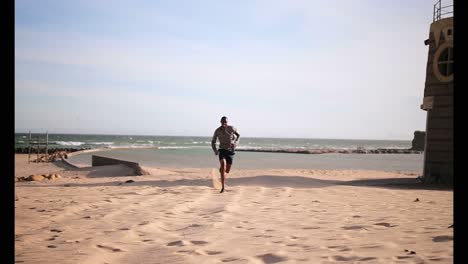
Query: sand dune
103 215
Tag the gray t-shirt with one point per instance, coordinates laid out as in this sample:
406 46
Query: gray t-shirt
225 137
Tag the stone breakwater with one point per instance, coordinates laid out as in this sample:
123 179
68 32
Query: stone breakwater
25 150
52 154
342 151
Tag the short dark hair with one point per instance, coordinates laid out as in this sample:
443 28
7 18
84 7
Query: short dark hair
224 118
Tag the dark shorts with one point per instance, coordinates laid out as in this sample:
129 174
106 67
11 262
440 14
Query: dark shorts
226 154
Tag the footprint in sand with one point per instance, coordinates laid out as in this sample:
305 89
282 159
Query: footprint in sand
343 258
356 227
442 238
367 259
178 243
385 224
339 248
72 241
310 227
51 239
113 249
271 258
199 242
351 258
229 259
402 257
266 236
210 252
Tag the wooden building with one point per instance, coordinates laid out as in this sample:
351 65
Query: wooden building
438 98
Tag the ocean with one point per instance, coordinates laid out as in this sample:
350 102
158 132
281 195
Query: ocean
195 152
185 142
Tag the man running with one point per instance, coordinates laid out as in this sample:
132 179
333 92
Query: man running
228 138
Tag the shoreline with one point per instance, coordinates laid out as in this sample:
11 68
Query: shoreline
340 151
349 160
25 150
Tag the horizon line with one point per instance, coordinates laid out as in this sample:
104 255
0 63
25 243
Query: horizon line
148 135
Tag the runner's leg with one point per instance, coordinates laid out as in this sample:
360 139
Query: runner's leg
222 163
228 163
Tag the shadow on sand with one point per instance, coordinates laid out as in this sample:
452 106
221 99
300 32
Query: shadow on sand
267 181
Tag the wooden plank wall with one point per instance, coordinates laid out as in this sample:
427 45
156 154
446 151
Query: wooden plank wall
439 135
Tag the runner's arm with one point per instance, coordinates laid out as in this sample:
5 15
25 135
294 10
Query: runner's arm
213 144
237 136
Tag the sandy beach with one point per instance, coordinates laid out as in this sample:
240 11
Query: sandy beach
107 215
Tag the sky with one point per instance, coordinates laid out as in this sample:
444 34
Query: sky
291 68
